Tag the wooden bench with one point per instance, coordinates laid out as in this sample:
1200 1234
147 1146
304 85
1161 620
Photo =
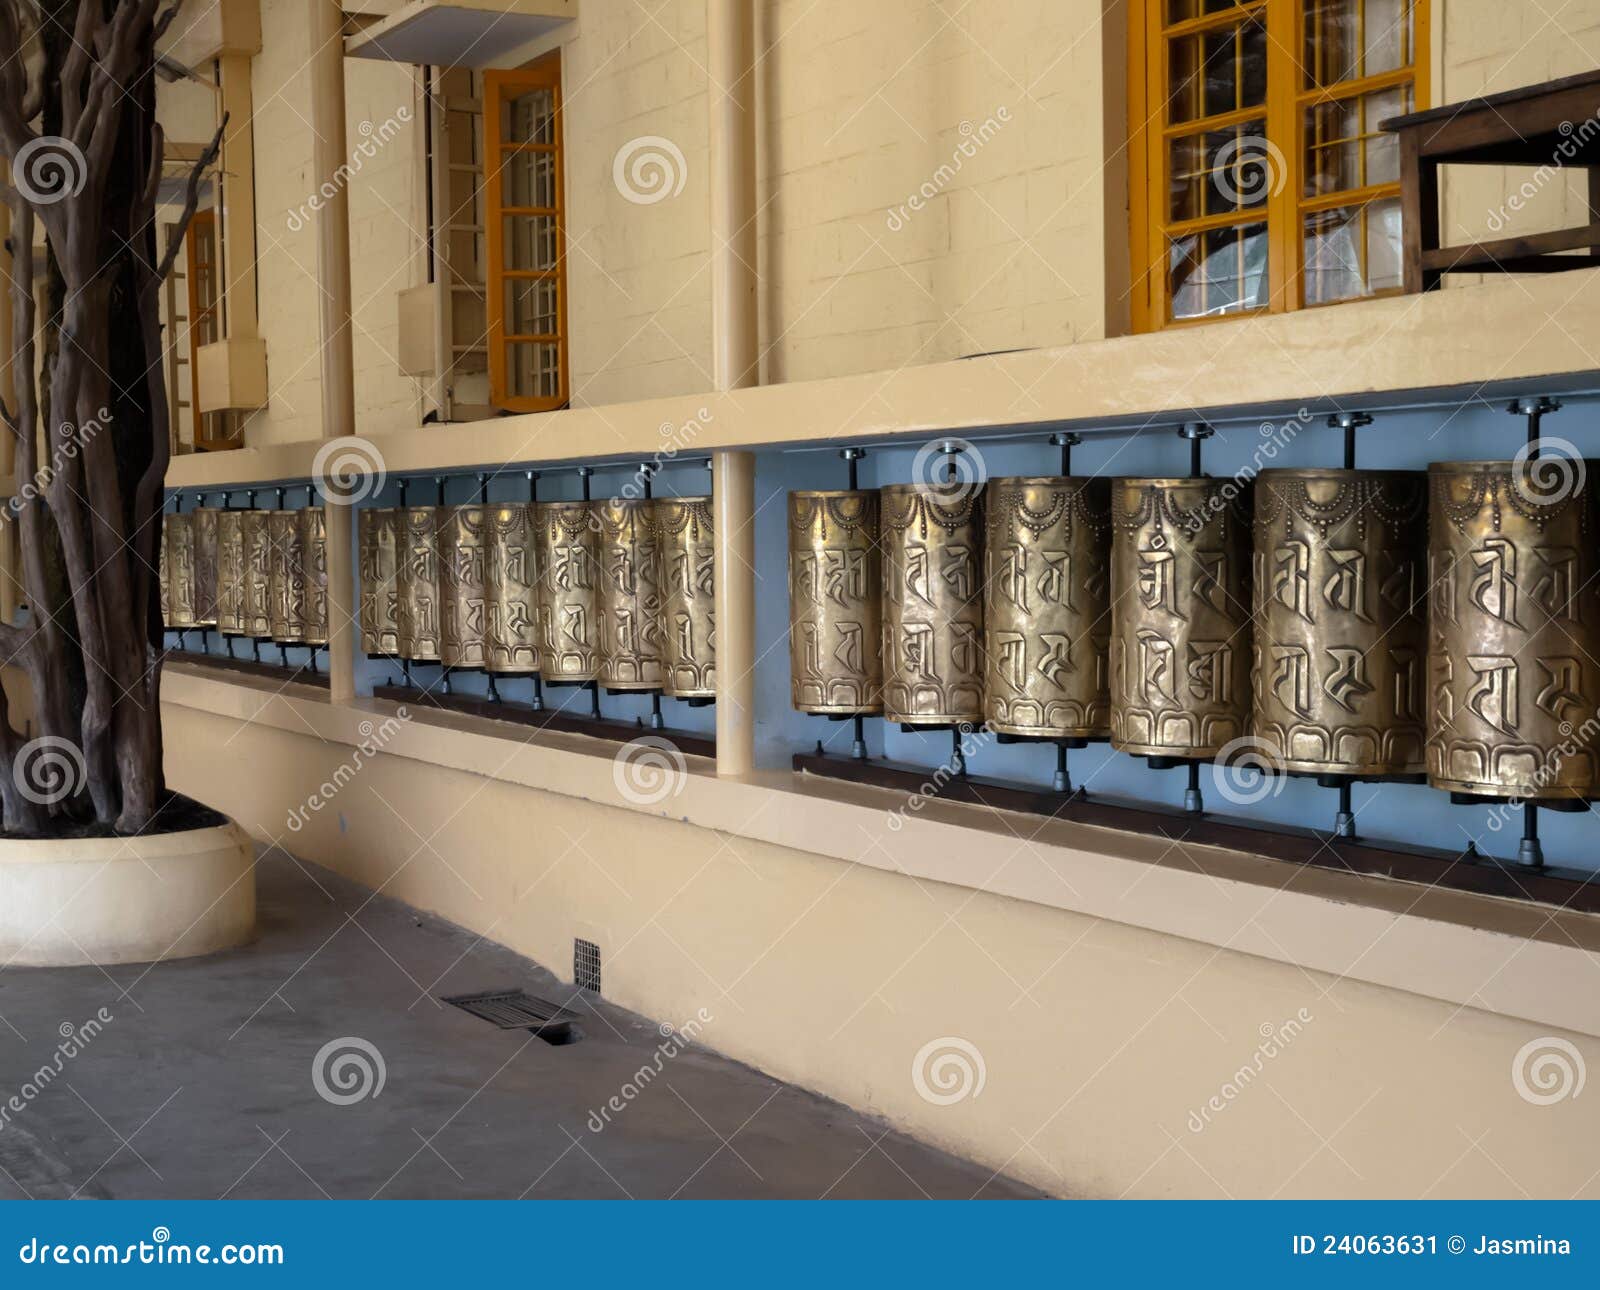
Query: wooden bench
1555 125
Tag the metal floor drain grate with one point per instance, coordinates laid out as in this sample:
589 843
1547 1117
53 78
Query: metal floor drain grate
517 1010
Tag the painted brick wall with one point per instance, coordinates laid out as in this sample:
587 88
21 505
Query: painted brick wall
1486 47
639 285
933 181
286 260
384 224
388 226
937 179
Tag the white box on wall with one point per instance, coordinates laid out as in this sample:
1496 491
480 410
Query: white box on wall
418 310
232 375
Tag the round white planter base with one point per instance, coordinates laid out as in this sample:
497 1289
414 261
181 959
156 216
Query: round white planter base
65 903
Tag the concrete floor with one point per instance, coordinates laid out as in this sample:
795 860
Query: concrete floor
201 1083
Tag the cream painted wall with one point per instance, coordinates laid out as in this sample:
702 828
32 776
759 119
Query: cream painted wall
388 225
1487 47
935 180
1005 120
386 222
1099 1041
638 276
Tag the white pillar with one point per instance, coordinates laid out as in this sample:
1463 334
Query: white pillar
735 364
329 153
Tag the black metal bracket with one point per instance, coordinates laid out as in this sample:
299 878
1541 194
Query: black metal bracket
1066 440
1196 432
1349 422
1535 409
851 456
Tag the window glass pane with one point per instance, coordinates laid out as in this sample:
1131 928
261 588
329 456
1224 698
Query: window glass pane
1385 270
1220 92
1352 251
531 306
533 371
1347 39
1382 149
528 178
529 242
206 322
1187 178
1183 10
1220 171
528 117
1217 71
1253 64
1345 147
1221 271
1183 79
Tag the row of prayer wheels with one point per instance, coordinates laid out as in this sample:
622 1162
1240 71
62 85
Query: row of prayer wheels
1353 623
616 592
260 574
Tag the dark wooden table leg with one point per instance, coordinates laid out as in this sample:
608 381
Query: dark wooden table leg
1594 205
1419 211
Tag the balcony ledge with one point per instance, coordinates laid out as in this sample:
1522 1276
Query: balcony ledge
1508 335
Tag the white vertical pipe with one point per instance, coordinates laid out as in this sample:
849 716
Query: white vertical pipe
329 153
735 355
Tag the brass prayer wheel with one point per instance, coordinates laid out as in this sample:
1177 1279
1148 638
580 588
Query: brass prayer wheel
417 612
630 599
932 605
1047 607
513 589
286 591
835 586
1513 629
177 535
688 603
230 573
568 542
203 520
463 617
255 599
378 542
314 573
1180 616
1340 626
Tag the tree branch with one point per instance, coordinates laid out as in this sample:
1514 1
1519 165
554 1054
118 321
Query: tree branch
164 20
148 489
191 201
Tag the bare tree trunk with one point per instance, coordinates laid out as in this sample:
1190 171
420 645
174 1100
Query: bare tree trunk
90 520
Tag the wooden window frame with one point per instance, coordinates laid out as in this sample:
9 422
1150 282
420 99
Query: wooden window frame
213 431
544 73
178 347
1287 101
461 346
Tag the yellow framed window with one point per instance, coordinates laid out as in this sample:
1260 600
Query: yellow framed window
1260 180
527 310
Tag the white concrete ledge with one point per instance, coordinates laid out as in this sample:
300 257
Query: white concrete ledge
1501 956
1382 351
